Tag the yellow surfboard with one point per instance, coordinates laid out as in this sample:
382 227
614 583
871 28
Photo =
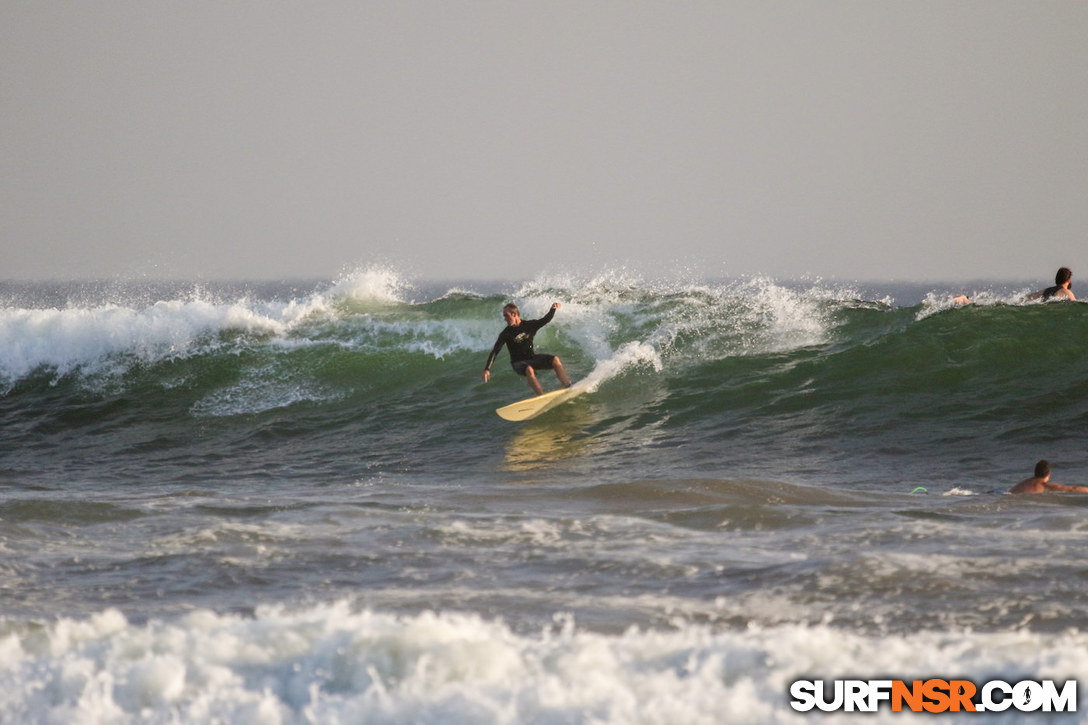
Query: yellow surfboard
534 406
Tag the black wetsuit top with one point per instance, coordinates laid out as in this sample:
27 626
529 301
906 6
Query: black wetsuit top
1051 291
519 339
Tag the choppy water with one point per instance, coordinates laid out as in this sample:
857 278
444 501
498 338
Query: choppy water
294 503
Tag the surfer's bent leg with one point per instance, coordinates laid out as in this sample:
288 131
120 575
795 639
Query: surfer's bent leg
560 372
530 376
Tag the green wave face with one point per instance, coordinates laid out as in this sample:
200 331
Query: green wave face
697 373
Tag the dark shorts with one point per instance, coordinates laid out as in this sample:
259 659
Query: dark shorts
538 362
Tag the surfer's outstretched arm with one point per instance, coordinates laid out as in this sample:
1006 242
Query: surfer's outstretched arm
1064 488
491 358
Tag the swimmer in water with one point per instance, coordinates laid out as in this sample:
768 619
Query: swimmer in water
1040 482
1061 289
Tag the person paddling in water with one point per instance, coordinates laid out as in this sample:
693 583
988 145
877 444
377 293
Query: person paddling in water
1040 482
518 338
1060 291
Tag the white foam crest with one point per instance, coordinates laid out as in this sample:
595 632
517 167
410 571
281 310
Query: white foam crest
456 292
591 307
66 340
790 318
297 311
88 338
330 663
935 302
629 355
684 319
756 316
370 284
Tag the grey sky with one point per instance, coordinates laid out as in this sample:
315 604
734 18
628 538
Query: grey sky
926 140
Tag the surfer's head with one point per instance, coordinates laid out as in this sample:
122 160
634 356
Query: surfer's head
1042 469
511 313
1064 275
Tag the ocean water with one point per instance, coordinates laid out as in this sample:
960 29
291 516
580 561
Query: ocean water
293 502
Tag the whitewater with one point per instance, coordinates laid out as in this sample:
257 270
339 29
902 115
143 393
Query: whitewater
292 502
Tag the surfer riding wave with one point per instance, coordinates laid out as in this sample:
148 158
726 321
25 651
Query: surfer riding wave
517 336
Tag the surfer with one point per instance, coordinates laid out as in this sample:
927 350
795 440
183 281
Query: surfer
1060 291
1040 482
518 338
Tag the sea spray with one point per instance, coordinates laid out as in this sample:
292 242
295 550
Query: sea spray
627 356
333 663
92 339
370 284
